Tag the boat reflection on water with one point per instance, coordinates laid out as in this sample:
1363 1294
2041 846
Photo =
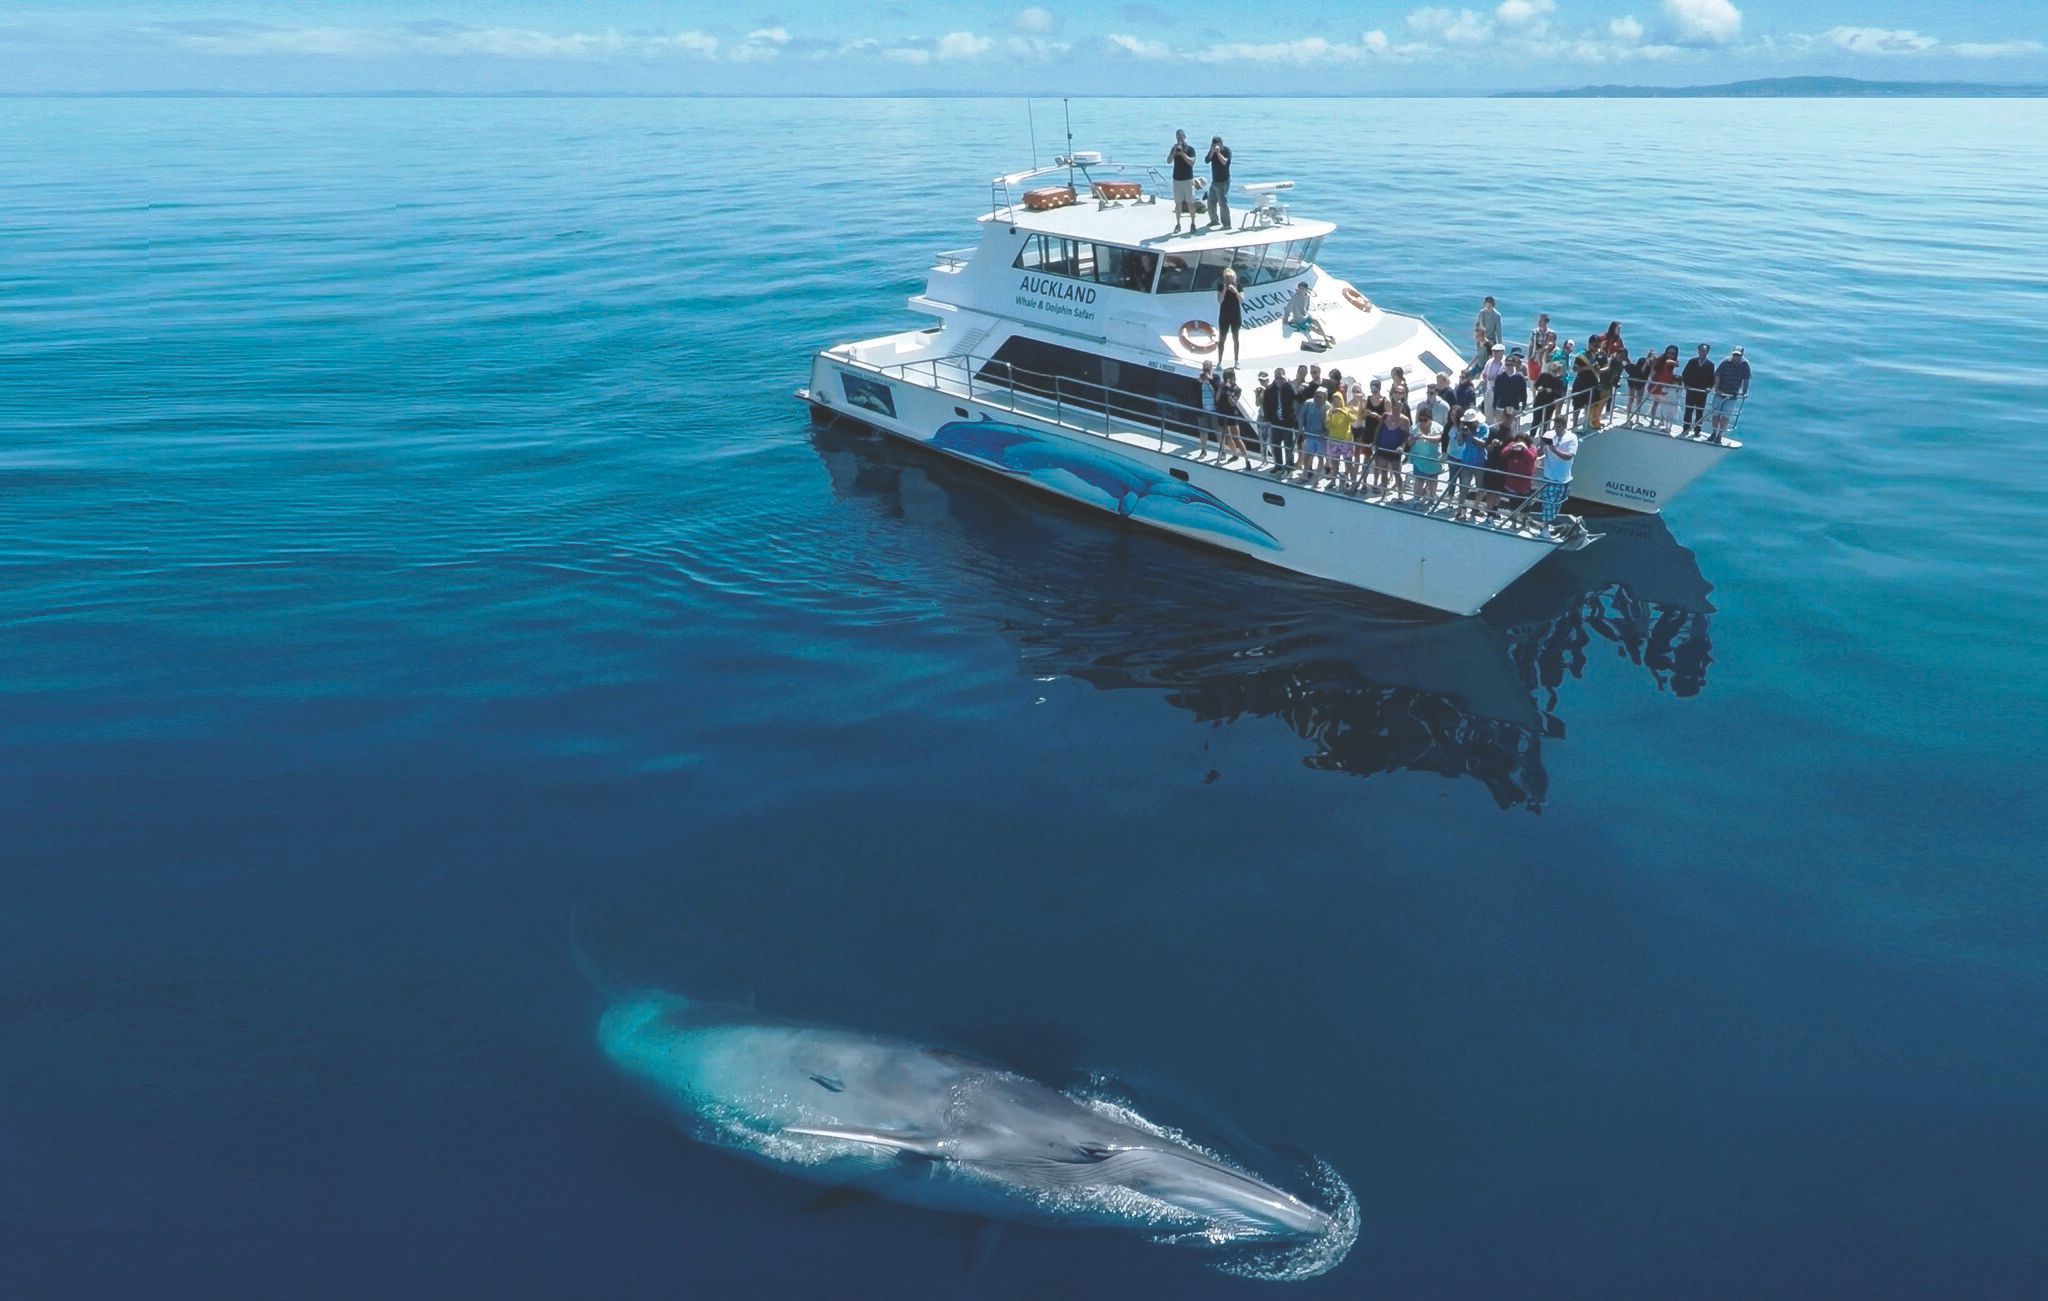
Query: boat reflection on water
1372 686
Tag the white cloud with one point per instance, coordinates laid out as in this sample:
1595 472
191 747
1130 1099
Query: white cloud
761 43
1309 49
454 40
303 40
1461 28
693 42
961 45
1712 22
1524 13
1878 40
1139 49
1032 47
1625 28
1995 49
913 54
1034 19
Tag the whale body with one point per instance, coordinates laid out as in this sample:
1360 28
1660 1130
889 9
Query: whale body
935 1128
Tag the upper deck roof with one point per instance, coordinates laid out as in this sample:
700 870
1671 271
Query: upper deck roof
1133 223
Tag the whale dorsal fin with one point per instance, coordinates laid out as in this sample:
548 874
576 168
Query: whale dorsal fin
894 1140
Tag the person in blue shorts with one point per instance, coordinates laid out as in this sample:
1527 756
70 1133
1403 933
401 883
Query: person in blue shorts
1731 385
1313 451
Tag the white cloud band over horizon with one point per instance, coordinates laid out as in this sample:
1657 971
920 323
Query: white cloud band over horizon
1513 44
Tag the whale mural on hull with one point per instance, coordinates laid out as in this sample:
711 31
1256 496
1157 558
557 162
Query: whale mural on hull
1100 478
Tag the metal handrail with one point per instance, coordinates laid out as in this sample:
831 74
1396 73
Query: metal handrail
1667 418
1001 204
1092 409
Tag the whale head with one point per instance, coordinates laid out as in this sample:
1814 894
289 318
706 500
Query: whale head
1237 1206
1175 1187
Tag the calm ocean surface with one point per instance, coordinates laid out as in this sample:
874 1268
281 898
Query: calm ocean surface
407 535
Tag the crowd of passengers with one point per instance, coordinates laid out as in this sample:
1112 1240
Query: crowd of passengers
1498 440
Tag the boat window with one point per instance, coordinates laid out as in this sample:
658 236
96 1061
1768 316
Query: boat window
1125 268
1311 248
1282 262
1245 261
1179 275
1084 379
1433 363
1286 259
1210 269
1258 264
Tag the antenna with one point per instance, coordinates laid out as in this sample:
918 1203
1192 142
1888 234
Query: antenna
1068 110
1034 134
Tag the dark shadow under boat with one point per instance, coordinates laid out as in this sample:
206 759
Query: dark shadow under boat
1371 685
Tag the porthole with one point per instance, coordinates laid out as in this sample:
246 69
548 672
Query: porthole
1274 499
1181 475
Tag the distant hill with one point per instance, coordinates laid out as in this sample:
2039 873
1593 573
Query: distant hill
1796 88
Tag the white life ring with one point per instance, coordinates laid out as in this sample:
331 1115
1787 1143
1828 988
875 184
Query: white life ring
1356 299
1198 336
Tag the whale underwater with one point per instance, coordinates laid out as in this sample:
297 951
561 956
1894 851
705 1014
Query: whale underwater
934 1128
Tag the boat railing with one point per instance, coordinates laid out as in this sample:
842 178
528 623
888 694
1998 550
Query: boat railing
1002 203
1644 405
1644 410
1104 411
953 259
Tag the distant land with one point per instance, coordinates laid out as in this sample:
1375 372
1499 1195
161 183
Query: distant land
1796 88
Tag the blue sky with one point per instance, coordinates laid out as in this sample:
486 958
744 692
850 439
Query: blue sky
776 46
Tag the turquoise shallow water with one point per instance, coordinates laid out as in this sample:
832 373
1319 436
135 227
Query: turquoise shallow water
409 534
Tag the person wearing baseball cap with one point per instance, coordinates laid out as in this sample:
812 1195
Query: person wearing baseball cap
1731 385
1468 462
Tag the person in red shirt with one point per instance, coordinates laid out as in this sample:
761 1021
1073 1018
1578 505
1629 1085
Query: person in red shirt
1518 469
1663 379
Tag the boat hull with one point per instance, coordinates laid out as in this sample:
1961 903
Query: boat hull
1640 469
1427 560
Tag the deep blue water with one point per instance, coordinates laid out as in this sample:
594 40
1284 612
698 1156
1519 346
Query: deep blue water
407 536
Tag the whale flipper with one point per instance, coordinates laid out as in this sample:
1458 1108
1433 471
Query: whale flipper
894 1140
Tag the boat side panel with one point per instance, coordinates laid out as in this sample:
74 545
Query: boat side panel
1639 470
1429 561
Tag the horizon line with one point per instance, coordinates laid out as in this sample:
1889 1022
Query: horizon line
1950 90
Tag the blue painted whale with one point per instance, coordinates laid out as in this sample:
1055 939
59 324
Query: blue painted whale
1098 477
937 1129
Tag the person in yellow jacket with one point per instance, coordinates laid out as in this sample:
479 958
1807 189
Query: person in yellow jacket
1337 422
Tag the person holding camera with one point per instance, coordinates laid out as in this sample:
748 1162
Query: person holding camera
1182 159
1219 183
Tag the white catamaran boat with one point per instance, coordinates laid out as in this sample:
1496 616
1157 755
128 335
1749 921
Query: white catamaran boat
1066 357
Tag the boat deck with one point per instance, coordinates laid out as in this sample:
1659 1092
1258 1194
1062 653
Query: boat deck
957 376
